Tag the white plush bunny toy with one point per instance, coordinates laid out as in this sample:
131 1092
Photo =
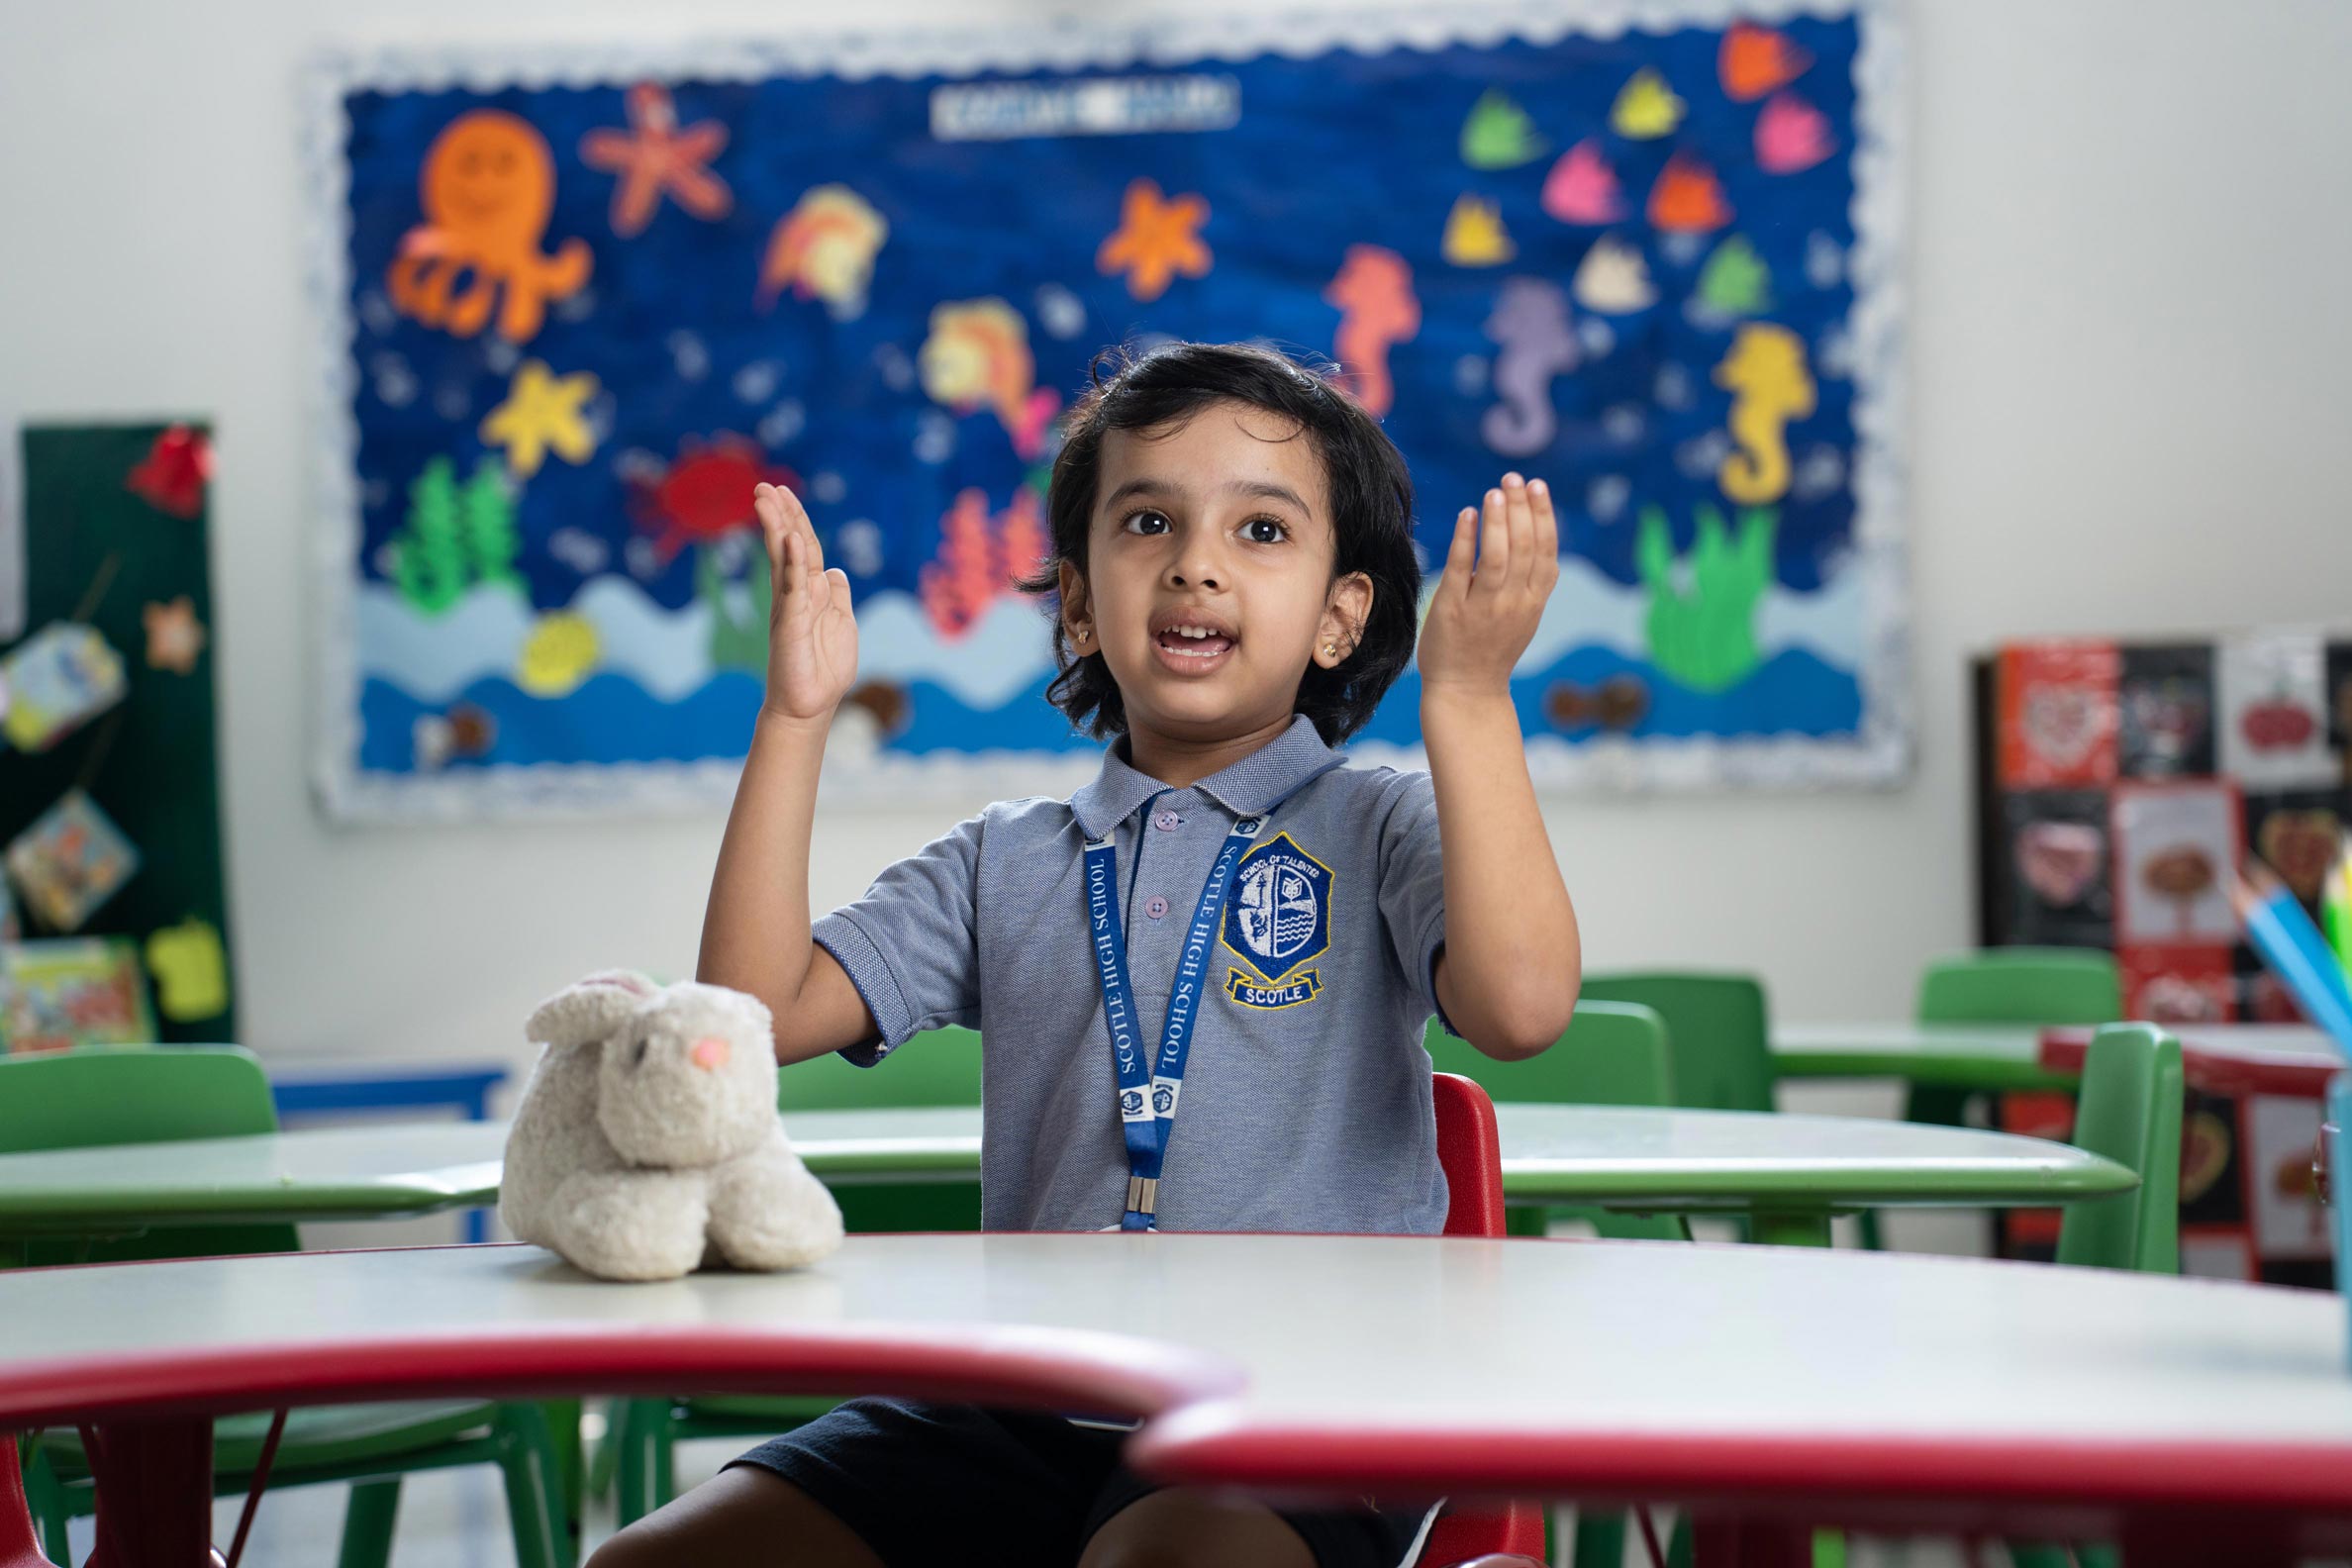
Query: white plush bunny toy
648 1143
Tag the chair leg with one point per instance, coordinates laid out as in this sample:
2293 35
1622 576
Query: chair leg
534 1471
367 1525
1600 1540
45 1496
647 1443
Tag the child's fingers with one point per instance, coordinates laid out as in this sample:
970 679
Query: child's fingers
1520 518
772 528
1461 556
1494 545
1547 534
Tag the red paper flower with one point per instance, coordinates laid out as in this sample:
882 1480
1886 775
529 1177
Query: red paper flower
173 475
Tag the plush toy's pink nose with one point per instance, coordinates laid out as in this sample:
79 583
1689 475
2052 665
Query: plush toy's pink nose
710 1052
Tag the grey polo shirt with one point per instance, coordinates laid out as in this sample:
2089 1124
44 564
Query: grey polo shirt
1306 1104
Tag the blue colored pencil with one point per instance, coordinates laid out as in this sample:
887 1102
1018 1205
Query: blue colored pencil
2296 953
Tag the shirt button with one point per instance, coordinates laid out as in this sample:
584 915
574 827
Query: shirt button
1166 822
1156 906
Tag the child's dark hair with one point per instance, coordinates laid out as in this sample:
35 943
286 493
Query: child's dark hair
1371 502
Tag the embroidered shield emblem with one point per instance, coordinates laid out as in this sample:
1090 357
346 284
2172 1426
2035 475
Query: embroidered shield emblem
1279 915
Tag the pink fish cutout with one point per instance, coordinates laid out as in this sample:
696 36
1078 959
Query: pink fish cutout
1582 188
1791 135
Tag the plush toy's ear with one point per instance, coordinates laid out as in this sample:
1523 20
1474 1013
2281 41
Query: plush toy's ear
588 1011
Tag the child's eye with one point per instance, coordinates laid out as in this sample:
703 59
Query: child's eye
1146 522
1264 531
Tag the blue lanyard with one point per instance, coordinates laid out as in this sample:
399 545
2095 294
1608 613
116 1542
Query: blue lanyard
1148 1089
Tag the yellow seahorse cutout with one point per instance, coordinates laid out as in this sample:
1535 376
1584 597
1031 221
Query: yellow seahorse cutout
1769 385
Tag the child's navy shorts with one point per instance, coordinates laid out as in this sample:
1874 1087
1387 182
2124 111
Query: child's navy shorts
924 1484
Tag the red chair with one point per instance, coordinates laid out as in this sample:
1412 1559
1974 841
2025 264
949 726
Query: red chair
18 1547
1472 1154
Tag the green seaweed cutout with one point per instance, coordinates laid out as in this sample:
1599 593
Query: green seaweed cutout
738 642
455 536
1703 633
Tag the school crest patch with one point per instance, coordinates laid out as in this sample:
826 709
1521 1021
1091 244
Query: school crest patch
1277 922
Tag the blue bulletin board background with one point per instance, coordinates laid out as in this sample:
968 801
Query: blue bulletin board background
576 303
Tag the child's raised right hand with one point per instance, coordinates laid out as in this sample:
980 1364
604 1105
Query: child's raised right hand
812 632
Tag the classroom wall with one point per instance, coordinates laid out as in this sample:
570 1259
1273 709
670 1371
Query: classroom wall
2130 330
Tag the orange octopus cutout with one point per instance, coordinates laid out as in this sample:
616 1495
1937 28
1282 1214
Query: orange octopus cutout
1377 309
652 156
1156 239
488 189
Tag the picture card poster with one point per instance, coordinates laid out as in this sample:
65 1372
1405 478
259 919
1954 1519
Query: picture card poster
576 303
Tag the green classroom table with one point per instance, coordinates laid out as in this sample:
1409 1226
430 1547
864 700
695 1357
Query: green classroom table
1787 1174
1989 1056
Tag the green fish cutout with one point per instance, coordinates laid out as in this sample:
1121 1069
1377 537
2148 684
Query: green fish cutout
1499 135
1735 281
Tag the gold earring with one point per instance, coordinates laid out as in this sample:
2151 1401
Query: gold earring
1330 650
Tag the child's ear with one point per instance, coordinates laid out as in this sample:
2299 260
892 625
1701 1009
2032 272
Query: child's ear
1345 613
1077 615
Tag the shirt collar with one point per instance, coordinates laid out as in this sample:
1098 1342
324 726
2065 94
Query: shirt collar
1245 788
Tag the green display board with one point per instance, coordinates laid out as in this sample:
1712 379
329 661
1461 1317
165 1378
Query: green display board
116 542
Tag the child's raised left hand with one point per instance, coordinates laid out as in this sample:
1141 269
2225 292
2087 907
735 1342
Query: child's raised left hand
1482 618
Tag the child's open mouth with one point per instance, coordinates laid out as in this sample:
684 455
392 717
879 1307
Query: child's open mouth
1192 650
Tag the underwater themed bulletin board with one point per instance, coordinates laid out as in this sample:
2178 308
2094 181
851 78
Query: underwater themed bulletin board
576 303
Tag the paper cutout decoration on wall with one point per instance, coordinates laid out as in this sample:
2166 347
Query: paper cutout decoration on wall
71 859
1655 266
115 825
64 992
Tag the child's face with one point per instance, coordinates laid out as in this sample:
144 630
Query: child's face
1219 526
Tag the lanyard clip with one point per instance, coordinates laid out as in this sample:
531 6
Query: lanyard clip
1142 1195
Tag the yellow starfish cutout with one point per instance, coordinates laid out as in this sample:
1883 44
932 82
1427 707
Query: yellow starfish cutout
1156 239
543 413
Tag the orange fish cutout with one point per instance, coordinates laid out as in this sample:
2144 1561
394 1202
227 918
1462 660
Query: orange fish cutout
1156 239
488 189
1688 198
653 157
1755 60
977 356
824 249
1377 310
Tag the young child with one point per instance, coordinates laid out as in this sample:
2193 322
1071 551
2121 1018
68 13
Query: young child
1221 950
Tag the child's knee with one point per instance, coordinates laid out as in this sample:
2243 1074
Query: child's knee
745 1517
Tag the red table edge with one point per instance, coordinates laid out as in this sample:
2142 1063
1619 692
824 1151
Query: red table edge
1111 1375
2235 1074
2086 1485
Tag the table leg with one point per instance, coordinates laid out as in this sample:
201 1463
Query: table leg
1789 1226
1728 1541
153 1485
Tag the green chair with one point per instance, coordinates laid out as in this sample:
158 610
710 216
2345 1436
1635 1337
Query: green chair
2010 985
1718 1034
2023 985
1613 1054
145 1095
939 1068
2130 1111
2004 985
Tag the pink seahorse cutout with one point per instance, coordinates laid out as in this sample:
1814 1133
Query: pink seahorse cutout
1377 310
1582 188
1534 343
1791 135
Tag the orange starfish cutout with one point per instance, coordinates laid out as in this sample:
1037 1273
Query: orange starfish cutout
652 156
174 635
1156 239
